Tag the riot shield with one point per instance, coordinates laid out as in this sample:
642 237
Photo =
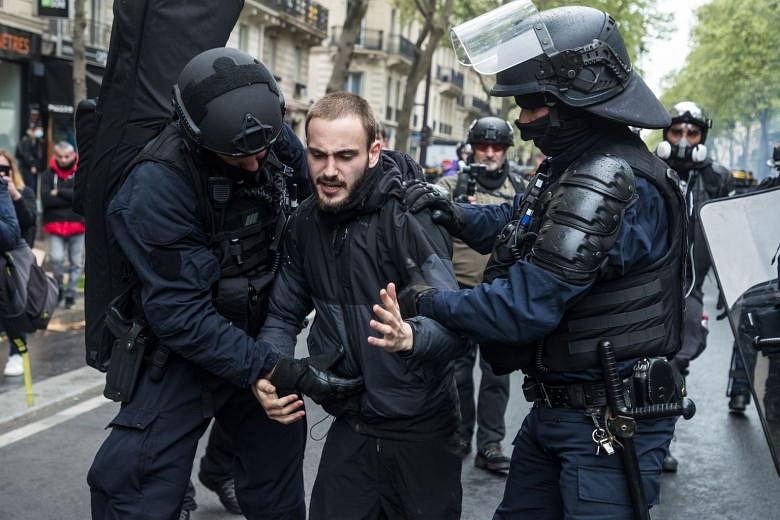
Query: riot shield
743 239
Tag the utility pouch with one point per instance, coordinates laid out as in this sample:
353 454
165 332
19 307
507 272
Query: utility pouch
232 297
654 381
132 339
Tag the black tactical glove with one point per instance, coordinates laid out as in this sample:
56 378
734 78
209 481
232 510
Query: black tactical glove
446 213
321 385
409 298
416 287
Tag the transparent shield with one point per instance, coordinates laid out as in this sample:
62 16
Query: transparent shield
743 239
499 39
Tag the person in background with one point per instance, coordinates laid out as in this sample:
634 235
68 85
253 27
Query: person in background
30 154
9 239
463 152
64 227
701 179
489 138
22 196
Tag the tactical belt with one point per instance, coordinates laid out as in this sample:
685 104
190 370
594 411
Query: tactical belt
576 395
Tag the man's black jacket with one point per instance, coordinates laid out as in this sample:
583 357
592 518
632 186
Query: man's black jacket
337 264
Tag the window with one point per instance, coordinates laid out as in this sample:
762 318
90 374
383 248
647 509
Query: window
354 83
298 64
243 37
272 43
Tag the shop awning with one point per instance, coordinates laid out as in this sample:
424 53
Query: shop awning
58 81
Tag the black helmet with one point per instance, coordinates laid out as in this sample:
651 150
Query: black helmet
690 112
228 103
492 130
575 54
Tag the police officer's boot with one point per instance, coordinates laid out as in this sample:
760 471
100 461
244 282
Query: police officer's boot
738 403
669 463
188 504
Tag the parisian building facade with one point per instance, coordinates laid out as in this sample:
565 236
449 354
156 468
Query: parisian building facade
295 39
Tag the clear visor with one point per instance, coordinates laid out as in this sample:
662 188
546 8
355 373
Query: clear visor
498 39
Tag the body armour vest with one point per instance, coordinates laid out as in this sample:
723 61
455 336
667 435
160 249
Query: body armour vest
640 312
244 221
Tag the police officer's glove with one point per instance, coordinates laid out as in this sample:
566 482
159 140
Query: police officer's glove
415 288
321 385
409 299
420 195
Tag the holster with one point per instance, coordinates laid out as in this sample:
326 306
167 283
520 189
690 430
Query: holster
132 341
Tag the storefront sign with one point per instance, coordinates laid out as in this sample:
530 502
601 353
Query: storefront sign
53 8
16 44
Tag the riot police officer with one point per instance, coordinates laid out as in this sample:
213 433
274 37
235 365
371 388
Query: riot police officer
200 219
484 178
593 250
701 179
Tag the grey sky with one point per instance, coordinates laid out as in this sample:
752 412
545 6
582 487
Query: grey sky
664 56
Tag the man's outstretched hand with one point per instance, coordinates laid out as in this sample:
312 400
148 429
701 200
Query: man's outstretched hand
397 335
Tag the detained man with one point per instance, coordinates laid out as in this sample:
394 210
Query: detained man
389 452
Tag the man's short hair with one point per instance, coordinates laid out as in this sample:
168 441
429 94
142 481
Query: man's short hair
337 105
64 146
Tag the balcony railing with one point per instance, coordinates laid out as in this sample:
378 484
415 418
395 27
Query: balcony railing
370 39
402 46
480 104
306 11
96 34
449 75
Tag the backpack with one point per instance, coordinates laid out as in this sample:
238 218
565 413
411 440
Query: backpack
410 169
151 42
28 296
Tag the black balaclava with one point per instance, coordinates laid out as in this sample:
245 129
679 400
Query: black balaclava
562 130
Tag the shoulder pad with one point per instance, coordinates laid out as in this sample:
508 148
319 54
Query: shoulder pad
583 218
603 173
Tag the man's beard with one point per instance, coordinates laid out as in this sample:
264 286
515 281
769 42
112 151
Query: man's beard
335 208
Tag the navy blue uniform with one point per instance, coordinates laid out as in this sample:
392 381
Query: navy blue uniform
554 471
142 469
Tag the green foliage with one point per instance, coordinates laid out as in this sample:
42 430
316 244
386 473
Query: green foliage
638 20
733 69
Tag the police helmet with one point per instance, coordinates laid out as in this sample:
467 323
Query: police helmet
490 130
227 102
574 54
690 112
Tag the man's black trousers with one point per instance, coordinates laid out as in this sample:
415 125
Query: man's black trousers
368 478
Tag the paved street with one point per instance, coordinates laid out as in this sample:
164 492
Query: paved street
725 469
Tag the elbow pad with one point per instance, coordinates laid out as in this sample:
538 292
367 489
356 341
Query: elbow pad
583 218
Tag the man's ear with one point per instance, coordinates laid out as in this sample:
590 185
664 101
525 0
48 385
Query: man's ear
373 153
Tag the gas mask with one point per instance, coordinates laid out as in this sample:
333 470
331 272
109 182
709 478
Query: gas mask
681 155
